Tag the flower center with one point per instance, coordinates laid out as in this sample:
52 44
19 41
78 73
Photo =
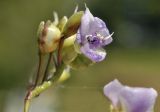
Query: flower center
94 40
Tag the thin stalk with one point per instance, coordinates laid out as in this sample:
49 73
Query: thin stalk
33 92
59 57
39 70
47 67
27 105
55 60
41 88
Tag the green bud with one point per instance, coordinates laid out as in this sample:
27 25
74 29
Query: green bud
80 62
62 23
49 36
68 54
77 47
73 24
69 41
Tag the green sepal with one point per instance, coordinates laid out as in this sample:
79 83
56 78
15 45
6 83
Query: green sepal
112 109
81 62
62 23
73 24
65 75
68 54
40 28
70 41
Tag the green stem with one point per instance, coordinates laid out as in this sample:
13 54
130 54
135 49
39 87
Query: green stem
45 85
27 104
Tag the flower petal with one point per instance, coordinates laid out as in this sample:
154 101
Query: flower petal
97 25
96 55
112 91
130 99
138 99
85 21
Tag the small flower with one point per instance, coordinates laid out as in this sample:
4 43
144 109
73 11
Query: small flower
92 36
130 99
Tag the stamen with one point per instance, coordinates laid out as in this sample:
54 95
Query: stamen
109 36
99 36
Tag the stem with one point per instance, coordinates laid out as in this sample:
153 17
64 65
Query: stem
39 69
55 60
36 90
27 105
45 85
59 57
47 67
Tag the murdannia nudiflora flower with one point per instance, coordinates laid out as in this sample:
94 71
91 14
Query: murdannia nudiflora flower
92 36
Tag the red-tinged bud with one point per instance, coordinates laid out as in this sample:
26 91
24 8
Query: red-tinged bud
49 36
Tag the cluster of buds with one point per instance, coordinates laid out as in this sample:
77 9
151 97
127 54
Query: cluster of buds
83 34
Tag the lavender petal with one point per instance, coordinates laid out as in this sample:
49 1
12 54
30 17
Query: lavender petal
112 91
96 55
85 21
130 99
138 99
96 26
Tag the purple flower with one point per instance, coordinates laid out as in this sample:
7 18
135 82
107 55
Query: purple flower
130 99
92 36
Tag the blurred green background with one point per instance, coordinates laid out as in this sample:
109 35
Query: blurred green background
133 57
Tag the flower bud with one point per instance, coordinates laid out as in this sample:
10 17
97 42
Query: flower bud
69 41
69 54
73 24
49 36
62 23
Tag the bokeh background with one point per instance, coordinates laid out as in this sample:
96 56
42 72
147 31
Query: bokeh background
133 57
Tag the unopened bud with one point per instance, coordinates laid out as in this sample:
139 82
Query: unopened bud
73 24
62 23
69 41
49 36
